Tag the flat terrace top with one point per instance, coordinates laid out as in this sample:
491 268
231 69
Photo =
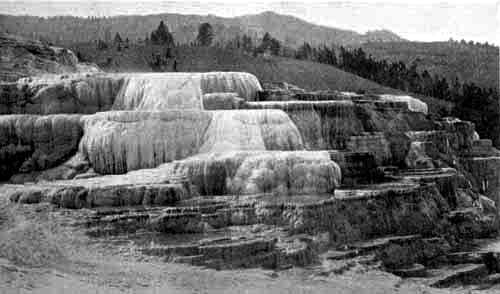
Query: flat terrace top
373 190
359 192
427 173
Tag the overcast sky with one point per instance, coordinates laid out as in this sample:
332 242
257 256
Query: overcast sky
422 20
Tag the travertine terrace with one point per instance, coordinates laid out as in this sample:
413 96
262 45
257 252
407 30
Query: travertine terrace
270 176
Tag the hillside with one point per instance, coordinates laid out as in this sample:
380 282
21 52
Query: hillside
296 31
21 57
305 74
291 30
470 63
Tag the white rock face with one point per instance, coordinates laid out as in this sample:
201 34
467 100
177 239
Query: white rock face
164 91
323 124
476 136
246 85
413 103
90 93
253 172
121 141
159 91
98 93
251 130
77 93
222 101
417 156
117 142
155 126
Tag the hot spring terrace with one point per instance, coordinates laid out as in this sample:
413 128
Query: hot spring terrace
214 126
216 154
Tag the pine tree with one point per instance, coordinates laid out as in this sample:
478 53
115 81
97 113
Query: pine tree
266 40
118 38
455 90
304 52
161 36
414 79
246 43
101 45
275 46
107 35
205 34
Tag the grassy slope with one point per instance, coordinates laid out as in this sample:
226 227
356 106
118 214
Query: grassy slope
309 75
305 74
471 63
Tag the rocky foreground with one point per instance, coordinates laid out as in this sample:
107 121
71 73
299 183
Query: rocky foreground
217 172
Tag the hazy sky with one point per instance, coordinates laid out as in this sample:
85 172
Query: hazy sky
421 20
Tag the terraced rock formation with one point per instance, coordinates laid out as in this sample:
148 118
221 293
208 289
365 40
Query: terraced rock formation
211 169
22 57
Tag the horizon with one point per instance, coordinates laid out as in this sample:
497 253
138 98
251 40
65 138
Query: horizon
459 24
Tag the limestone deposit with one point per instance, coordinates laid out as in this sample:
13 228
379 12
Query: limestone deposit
413 103
22 58
347 124
90 93
60 94
34 143
254 172
251 130
247 182
117 142
222 101
159 92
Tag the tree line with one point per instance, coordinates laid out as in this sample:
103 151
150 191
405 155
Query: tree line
162 36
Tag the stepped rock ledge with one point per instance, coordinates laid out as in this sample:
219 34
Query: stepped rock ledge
290 175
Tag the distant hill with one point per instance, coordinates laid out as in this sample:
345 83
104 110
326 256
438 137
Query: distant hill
295 31
291 30
469 62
